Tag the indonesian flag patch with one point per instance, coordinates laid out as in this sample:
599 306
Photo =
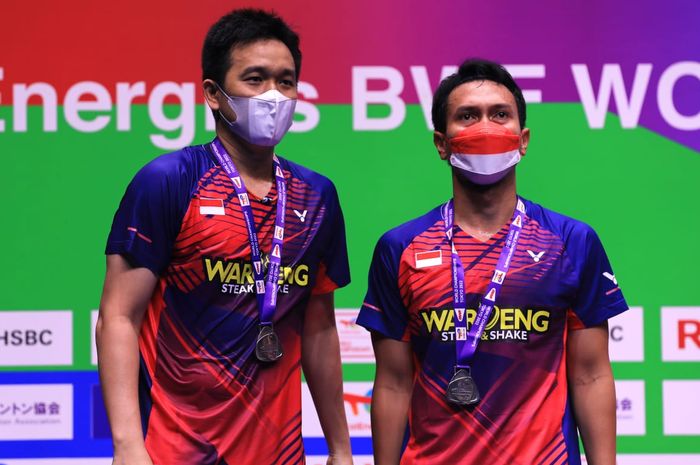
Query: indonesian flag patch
430 258
211 207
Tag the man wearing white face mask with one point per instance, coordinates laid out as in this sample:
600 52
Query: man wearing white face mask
489 313
221 266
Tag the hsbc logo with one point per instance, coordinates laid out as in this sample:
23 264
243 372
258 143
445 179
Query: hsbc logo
34 338
25 337
680 334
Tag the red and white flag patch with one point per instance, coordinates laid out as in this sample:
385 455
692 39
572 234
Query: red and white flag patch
430 258
211 207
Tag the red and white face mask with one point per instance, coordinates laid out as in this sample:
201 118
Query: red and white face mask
484 153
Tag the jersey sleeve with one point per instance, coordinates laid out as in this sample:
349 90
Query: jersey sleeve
334 269
598 296
383 310
149 216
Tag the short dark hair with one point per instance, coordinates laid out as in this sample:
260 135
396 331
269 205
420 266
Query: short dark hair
242 27
474 69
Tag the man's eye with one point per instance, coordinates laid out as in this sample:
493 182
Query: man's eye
254 79
287 82
501 115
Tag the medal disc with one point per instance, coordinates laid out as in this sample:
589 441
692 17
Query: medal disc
462 389
267 346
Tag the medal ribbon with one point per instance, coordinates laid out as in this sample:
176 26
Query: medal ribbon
265 290
467 341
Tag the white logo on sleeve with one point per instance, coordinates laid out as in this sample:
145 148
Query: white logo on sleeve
535 257
301 215
611 277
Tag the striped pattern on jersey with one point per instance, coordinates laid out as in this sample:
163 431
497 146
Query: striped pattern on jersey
520 365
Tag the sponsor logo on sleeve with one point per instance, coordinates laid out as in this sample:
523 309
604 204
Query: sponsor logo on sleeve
611 277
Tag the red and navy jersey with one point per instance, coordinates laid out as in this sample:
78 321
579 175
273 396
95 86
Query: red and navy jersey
559 280
205 399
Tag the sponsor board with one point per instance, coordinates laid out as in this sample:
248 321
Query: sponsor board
631 408
355 341
681 407
61 461
357 398
36 411
321 460
36 337
680 334
626 341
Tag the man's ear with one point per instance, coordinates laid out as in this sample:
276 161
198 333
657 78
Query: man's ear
210 94
440 141
524 141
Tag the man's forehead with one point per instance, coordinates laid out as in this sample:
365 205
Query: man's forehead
262 53
480 92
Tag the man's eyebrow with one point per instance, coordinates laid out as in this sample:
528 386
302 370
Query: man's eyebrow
266 71
495 106
255 69
501 106
467 107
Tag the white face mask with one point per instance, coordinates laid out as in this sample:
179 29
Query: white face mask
263 119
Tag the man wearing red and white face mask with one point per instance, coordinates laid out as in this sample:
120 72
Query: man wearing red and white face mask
489 313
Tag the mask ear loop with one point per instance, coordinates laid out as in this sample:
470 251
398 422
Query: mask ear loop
228 97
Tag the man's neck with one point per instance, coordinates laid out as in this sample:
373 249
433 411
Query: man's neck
254 163
482 211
